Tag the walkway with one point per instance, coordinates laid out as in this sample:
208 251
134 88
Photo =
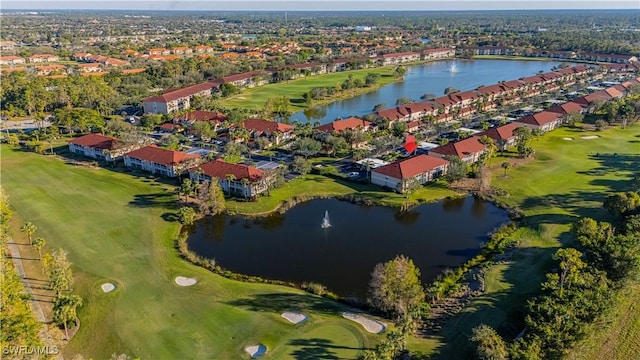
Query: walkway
14 253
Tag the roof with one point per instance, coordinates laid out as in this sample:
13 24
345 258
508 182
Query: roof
462 148
541 118
566 108
95 141
260 125
201 115
158 155
182 93
220 169
242 76
342 125
408 168
502 132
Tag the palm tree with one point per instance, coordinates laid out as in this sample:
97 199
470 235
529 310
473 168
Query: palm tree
28 228
506 166
64 311
39 243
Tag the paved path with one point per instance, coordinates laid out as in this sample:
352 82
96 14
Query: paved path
14 253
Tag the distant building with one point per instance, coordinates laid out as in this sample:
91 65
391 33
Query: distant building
99 147
178 99
11 60
42 58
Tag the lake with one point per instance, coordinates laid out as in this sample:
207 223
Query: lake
431 78
293 246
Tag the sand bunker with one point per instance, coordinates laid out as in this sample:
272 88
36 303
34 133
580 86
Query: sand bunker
590 137
372 326
185 281
294 317
256 350
108 287
567 138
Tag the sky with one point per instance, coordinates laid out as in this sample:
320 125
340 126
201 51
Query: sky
319 5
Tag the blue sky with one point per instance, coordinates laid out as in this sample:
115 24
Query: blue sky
257 5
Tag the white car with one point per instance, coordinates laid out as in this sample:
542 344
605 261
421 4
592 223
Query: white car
353 174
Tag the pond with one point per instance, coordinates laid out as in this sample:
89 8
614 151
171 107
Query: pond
432 78
294 247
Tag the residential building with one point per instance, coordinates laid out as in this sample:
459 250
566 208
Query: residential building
160 161
11 60
403 175
338 126
275 132
99 147
543 121
398 58
234 179
468 150
178 99
503 136
248 79
440 53
41 58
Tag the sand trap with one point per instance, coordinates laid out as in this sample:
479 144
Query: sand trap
108 287
567 138
590 137
185 281
294 317
256 350
372 326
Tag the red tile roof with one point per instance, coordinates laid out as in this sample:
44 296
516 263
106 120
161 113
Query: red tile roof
541 118
176 94
503 132
220 169
158 155
566 108
462 148
95 141
201 115
344 124
242 76
408 168
260 125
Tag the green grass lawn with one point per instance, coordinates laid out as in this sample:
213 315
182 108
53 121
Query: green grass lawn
112 224
312 185
255 98
566 181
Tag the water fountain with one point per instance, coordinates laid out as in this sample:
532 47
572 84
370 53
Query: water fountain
453 68
325 220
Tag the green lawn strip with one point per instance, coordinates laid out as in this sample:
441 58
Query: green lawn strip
311 185
112 226
565 181
255 98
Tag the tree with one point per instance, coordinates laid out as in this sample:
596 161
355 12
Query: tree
622 202
29 229
395 287
600 124
399 71
262 142
489 345
186 188
211 197
60 276
523 138
570 266
307 147
450 90
399 128
379 107
506 166
573 118
186 215
428 96
301 165
64 311
403 100
38 244
456 170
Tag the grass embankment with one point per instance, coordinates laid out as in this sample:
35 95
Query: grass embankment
566 181
317 186
115 227
255 98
